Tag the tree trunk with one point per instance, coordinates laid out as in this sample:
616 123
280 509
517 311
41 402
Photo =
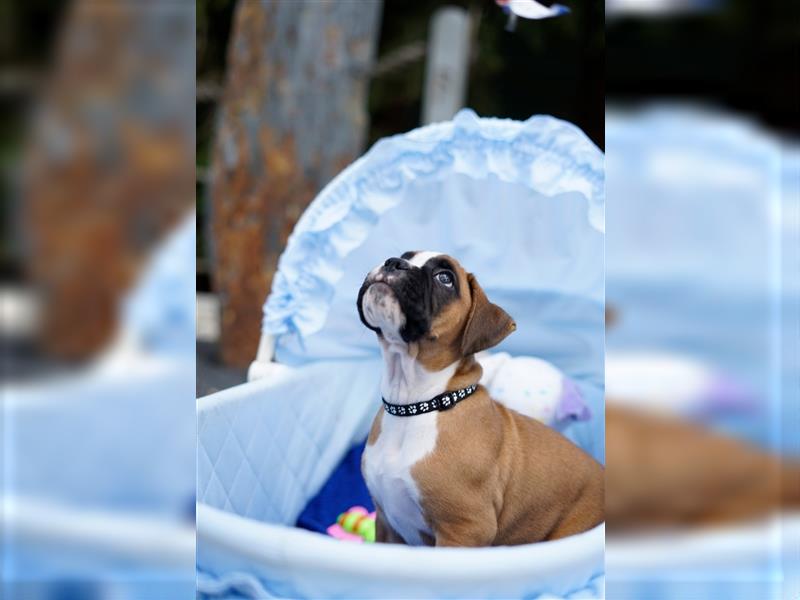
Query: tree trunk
293 115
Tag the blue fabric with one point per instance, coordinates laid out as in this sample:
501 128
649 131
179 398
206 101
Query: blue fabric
160 311
344 489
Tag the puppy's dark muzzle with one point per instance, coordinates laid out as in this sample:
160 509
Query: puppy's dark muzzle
410 286
395 264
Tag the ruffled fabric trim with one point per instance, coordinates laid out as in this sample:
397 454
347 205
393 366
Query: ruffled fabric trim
543 153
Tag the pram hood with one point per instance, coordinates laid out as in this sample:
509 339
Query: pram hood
520 204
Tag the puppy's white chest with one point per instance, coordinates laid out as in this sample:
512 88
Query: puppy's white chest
402 443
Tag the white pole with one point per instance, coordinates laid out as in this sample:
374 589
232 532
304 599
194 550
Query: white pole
447 64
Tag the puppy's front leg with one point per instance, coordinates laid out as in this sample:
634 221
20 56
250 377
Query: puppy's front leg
469 531
384 534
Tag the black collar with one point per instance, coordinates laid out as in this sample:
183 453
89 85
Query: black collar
441 402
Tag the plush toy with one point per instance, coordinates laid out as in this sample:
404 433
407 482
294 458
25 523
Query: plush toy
354 525
533 387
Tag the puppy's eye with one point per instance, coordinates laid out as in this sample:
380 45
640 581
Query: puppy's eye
444 278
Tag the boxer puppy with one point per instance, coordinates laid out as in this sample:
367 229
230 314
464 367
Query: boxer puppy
446 465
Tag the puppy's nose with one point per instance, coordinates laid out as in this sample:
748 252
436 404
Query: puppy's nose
395 264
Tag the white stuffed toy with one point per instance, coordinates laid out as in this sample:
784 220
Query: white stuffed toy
532 387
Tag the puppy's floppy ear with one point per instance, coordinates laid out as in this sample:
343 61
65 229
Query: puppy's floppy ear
487 324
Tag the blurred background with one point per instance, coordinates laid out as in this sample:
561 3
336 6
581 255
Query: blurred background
98 307
733 54
702 269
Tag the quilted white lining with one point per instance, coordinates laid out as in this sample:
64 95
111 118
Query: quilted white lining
266 447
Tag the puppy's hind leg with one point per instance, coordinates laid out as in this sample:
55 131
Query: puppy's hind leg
472 532
587 512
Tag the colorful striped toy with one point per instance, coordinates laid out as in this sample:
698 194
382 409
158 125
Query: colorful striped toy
354 525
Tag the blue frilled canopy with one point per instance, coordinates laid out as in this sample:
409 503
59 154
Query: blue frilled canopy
520 204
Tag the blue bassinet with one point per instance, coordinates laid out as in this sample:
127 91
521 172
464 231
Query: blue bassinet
521 205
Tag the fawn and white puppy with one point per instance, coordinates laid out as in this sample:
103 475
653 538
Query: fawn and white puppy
447 465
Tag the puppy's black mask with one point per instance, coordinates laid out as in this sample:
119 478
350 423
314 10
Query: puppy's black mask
417 292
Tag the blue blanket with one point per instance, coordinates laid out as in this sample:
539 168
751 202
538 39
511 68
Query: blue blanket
344 489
